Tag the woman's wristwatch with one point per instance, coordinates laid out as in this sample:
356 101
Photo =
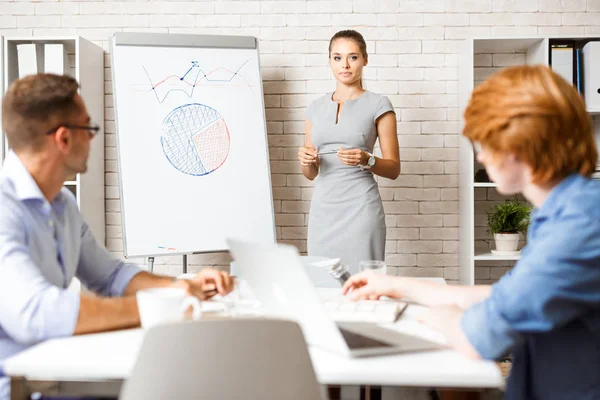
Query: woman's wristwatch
370 162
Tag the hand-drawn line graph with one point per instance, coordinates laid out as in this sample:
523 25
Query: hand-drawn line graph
176 83
195 139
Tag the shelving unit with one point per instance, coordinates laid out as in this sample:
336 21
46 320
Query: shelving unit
3 143
478 59
494 257
86 64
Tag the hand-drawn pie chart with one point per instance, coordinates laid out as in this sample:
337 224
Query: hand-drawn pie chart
195 139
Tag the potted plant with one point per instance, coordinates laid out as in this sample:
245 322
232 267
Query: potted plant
505 221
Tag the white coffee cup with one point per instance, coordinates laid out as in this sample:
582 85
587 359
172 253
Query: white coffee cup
162 305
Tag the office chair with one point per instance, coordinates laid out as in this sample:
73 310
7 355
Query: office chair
252 359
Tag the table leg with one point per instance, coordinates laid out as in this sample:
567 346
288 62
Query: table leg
370 393
334 392
19 389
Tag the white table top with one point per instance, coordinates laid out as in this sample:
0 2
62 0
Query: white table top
442 368
112 355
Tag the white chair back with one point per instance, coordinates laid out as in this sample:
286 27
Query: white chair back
253 359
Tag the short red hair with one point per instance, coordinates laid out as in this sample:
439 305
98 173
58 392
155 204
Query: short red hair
534 113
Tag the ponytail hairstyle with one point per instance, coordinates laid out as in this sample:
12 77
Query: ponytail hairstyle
357 38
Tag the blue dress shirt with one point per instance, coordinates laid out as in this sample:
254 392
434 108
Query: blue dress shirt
546 310
43 245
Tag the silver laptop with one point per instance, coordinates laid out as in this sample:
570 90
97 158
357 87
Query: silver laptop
277 278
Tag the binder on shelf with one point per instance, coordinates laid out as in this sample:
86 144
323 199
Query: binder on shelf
30 59
578 71
561 60
591 75
597 136
55 59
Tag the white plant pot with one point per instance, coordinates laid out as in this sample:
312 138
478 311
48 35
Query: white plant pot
506 241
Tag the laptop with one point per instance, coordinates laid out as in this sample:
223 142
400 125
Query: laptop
277 278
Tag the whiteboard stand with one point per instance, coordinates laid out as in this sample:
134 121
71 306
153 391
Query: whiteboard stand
150 264
196 140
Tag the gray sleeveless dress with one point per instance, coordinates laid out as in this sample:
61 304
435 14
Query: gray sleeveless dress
346 217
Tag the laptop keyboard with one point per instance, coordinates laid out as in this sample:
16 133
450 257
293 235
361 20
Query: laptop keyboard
356 341
375 311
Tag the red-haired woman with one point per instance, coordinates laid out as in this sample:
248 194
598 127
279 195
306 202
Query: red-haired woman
530 130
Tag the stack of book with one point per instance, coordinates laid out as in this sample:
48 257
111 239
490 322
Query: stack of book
579 62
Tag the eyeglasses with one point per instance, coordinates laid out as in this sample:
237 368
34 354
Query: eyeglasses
92 129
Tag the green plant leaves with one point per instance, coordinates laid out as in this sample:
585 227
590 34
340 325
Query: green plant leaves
511 216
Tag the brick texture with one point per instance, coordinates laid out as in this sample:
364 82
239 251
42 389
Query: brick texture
414 60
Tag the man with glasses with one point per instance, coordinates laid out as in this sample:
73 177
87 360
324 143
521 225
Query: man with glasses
44 242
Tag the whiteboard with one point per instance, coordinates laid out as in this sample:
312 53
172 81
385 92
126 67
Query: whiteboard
191 143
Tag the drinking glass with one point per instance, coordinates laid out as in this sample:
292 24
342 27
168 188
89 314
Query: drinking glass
376 266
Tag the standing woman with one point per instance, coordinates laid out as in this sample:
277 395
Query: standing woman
346 215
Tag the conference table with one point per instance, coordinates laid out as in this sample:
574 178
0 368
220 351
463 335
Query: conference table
98 364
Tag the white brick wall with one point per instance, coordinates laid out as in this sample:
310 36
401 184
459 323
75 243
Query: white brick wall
413 47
